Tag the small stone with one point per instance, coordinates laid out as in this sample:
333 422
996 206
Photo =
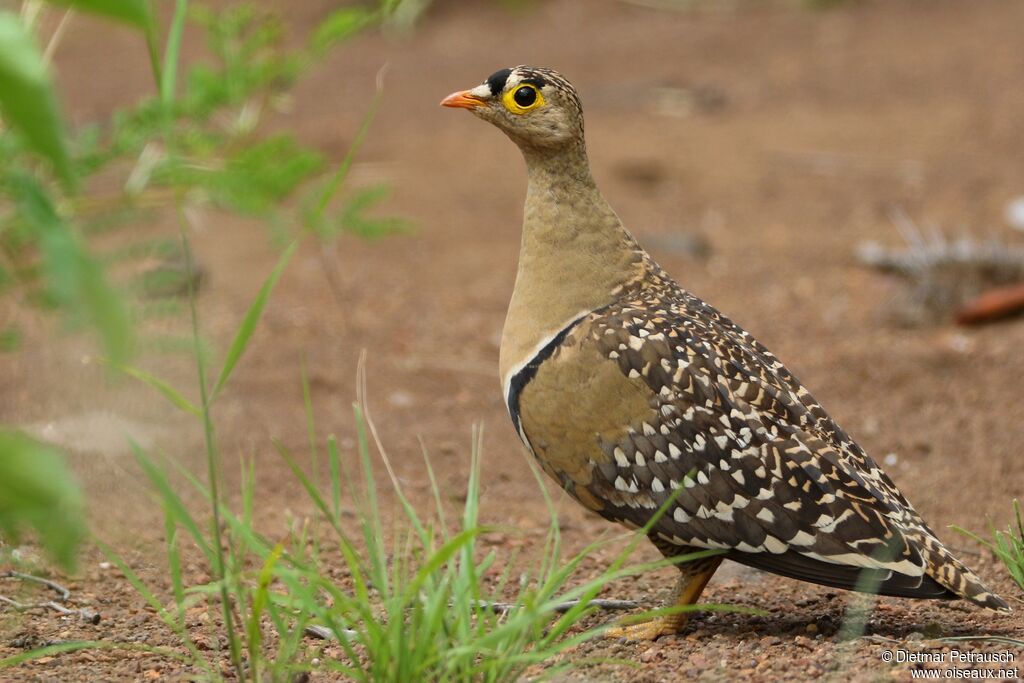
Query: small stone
649 655
1015 213
811 628
89 616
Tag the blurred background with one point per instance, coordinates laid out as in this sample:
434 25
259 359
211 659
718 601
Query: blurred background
843 179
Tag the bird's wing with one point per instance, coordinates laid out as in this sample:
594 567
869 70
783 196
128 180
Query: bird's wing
673 397
657 396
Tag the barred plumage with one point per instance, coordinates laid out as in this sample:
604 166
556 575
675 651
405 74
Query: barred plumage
630 390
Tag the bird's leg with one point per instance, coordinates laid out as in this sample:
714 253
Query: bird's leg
694 576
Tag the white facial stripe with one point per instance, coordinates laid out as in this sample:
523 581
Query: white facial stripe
482 91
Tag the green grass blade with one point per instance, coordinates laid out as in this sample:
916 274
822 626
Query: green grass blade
133 12
155 604
249 322
165 389
248 491
441 556
307 401
27 99
311 490
172 55
334 459
314 219
171 501
259 604
174 565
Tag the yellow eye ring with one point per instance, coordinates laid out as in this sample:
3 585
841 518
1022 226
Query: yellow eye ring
523 98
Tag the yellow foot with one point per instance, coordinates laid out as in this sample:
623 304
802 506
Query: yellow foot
647 630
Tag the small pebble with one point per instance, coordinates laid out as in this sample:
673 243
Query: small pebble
803 641
1015 213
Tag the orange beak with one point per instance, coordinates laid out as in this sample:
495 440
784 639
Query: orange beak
462 100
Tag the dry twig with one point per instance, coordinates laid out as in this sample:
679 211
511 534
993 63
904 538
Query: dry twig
85 614
503 607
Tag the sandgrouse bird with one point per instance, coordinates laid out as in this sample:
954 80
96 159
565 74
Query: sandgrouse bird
629 390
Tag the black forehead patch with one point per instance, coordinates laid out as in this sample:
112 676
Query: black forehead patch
535 81
496 81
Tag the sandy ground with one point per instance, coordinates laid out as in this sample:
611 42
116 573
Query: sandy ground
778 136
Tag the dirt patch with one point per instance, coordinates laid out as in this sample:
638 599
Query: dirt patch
777 137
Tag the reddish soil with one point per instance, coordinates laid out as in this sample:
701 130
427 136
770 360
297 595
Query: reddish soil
778 135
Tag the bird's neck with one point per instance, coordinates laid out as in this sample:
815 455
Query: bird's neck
575 255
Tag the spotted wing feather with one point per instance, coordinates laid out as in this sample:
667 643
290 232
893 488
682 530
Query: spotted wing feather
763 470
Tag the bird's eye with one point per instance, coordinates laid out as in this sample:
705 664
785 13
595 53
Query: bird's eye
525 97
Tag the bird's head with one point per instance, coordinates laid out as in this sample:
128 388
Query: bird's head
535 107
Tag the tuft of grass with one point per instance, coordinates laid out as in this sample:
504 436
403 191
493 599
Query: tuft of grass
417 607
415 604
1007 545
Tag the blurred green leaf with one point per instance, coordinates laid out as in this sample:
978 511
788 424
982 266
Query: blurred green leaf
134 12
10 339
338 27
249 322
254 181
353 218
27 99
37 490
75 279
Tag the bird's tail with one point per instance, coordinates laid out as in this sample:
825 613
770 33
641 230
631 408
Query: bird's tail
954 574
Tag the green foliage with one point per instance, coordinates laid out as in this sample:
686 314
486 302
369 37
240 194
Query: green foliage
1007 545
10 339
353 217
341 25
75 280
37 491
415 608
196 141
27 100
133 12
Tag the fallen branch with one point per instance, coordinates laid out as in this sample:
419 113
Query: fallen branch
993 305
85 614
504 607
942 275
53 585
325 633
